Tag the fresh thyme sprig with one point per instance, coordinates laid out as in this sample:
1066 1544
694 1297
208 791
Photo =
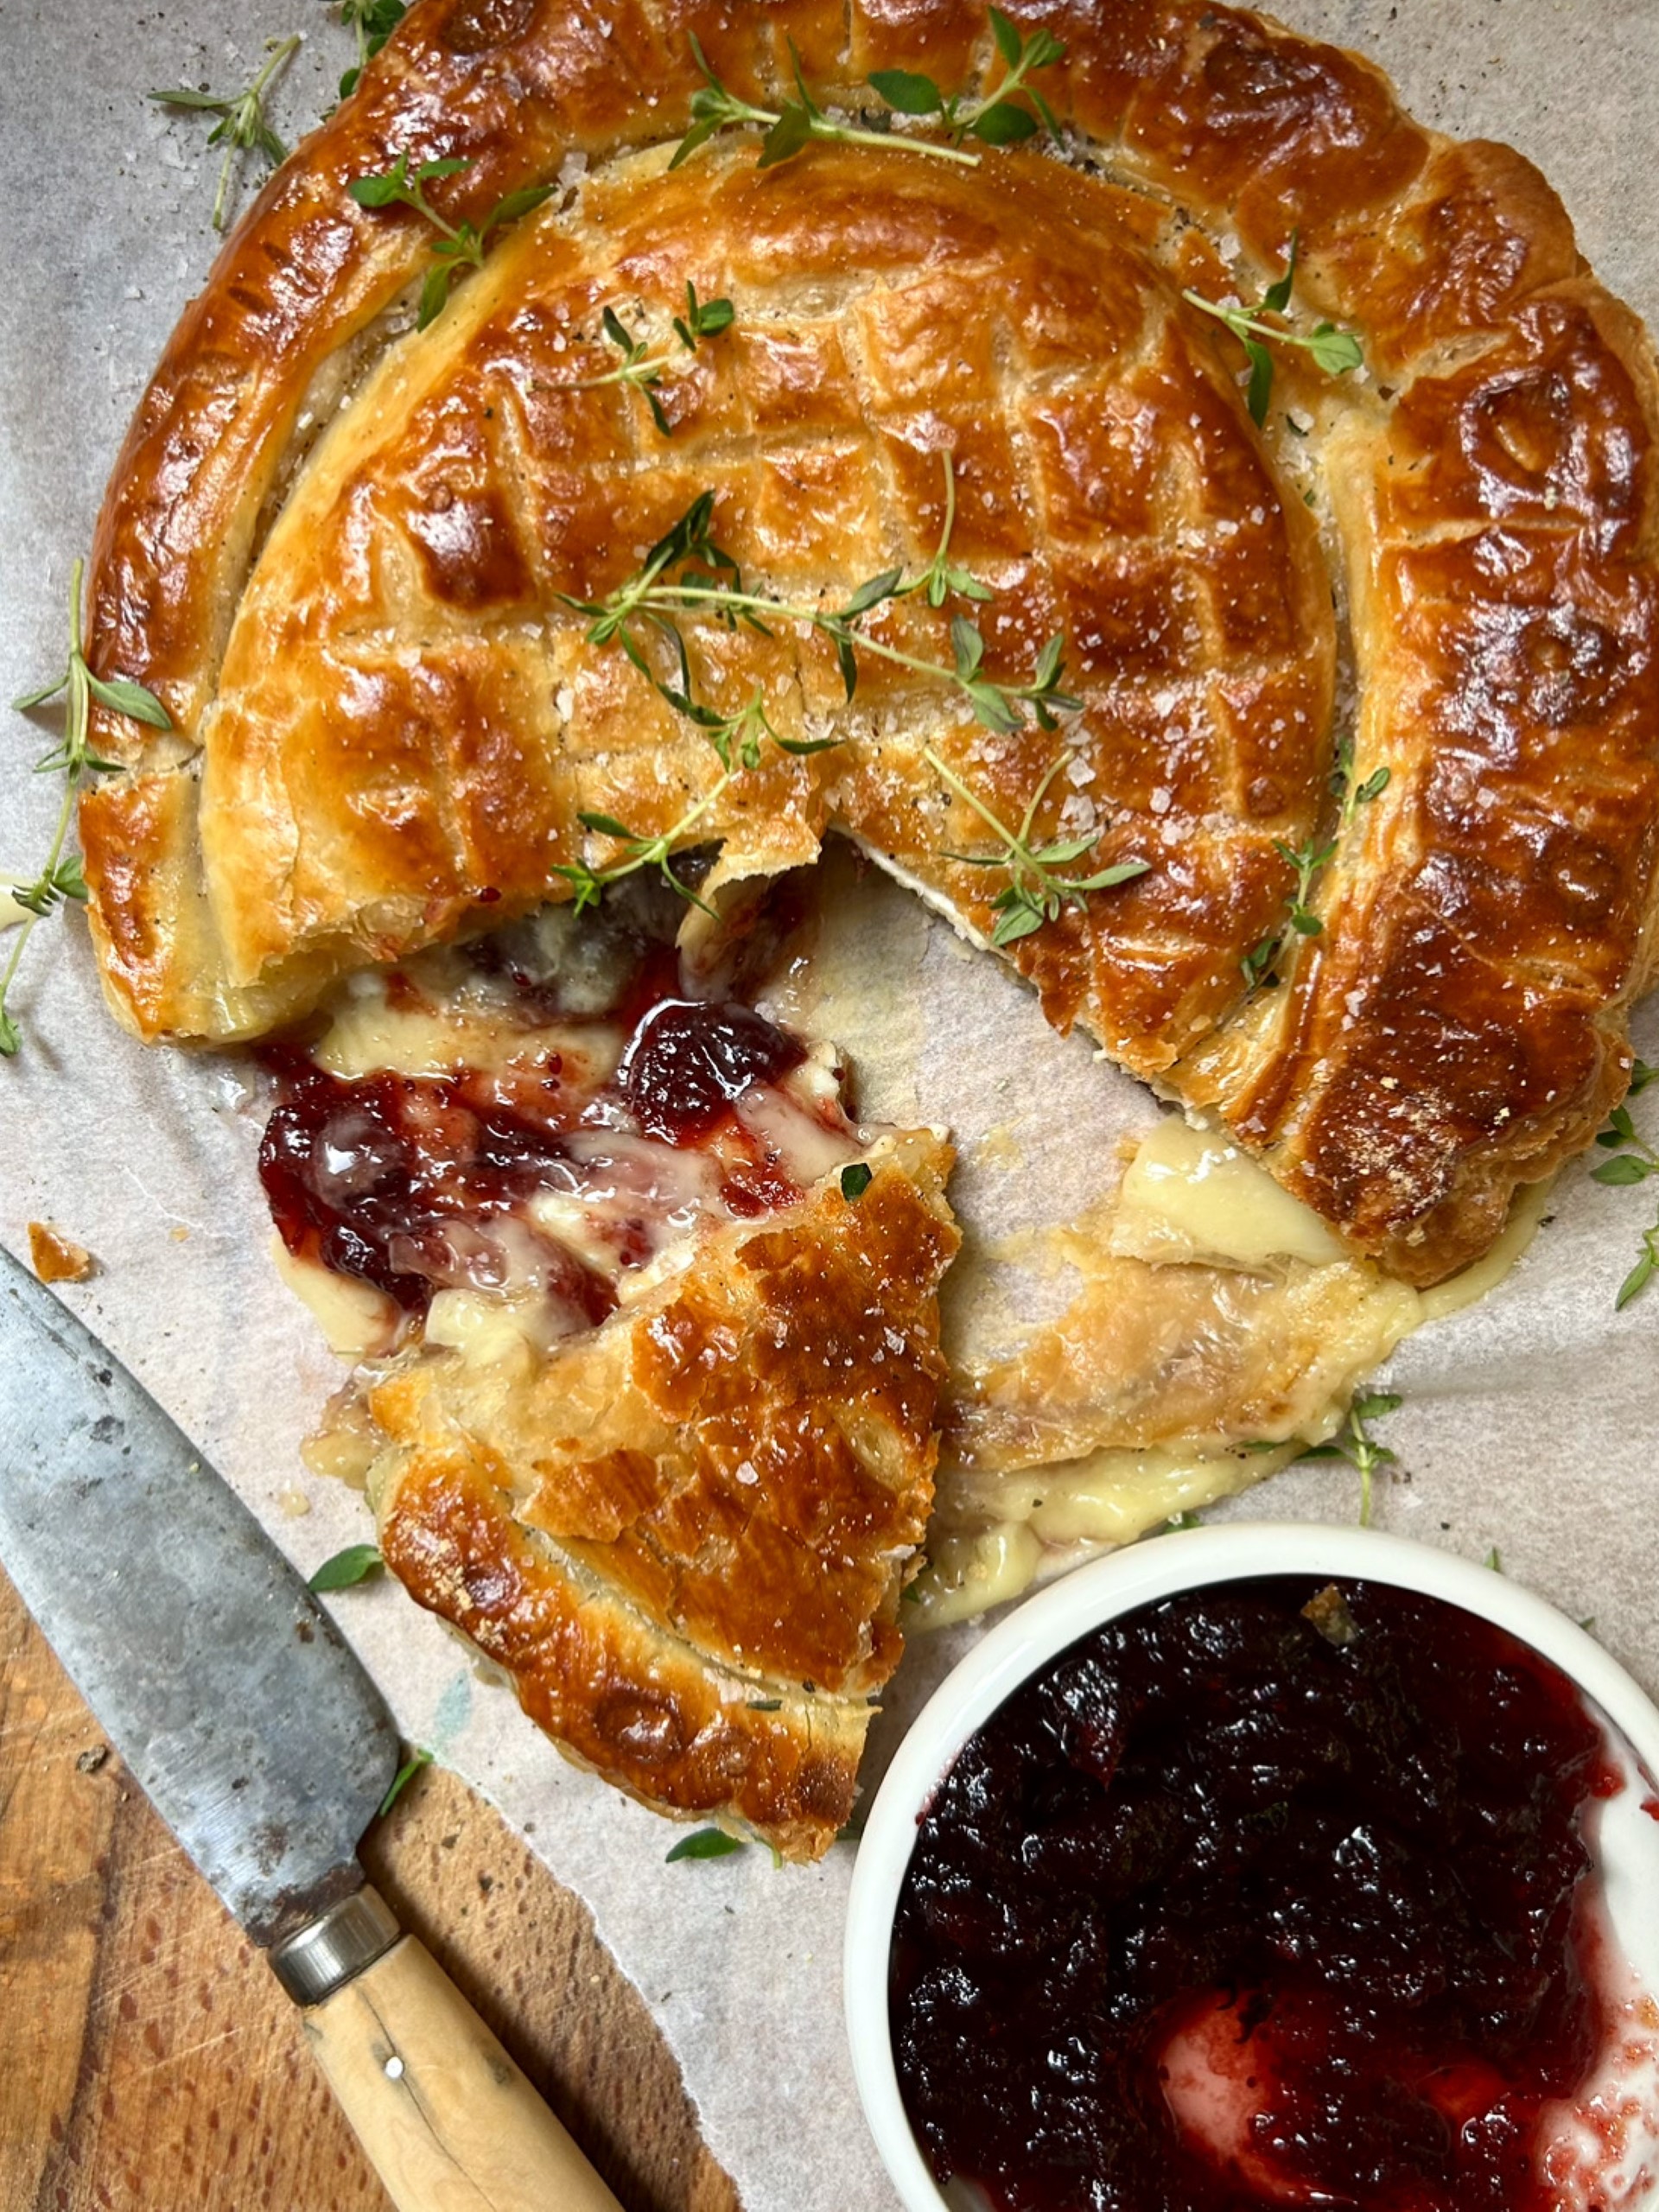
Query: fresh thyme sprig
1337 352
1258 964
711 586
644 369
687 574
790 128
242 127
1352 792
458 245
1354 1443
61 878
590 883
1635 1160
1036 891
374 22
995 120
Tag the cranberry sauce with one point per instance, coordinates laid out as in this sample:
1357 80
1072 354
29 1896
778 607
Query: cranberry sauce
390 1178
1224 1909
687 1065
413 1183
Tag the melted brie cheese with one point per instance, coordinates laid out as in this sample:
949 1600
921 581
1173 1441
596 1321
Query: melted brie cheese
358 1321
1218 1329
1190 1194
436 1030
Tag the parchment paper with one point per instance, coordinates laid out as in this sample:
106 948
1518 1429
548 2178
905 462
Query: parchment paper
1530 1422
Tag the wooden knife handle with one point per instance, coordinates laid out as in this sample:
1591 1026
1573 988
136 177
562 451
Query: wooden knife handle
449 2123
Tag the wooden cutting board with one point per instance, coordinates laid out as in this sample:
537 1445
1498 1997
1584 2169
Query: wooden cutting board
149 2057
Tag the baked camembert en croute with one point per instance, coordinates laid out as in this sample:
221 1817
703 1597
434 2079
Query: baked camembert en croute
1282 710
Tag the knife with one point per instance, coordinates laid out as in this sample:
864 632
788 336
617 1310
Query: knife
262 1742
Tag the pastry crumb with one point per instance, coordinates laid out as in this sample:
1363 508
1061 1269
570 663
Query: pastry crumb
57 1258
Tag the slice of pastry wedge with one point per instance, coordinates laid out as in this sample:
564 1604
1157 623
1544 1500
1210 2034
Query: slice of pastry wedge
685 1535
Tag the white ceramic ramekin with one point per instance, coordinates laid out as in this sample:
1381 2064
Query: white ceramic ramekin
1046 1624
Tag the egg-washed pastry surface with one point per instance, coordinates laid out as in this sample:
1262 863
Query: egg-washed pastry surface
389 724
686 1535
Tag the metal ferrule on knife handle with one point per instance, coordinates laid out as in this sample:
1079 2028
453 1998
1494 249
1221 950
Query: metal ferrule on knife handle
321 1957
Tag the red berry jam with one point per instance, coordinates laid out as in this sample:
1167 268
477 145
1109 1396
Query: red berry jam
418 1183
688 1063
391 1178
1224 1909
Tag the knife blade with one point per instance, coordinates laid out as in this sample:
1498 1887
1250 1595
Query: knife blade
261 1740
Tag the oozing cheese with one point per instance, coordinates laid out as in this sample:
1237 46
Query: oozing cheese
436 1034
1218 1329
357 1319
1192 1194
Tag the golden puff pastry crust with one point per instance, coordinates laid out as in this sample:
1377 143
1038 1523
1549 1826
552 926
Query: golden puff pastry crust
388 727
686 1533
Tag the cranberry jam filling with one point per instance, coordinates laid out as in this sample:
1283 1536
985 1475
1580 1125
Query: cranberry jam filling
611 1118
1227 1908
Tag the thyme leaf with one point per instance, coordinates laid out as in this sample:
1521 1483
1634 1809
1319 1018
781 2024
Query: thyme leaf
400 1781
1335 352
374 22
703 1843
791 128
60 876
346 1568
458 245
855 1180
1036 891
1351 790
1354 1443
995 120
642 367
1260 964
243 125
1634 1161
1175 1523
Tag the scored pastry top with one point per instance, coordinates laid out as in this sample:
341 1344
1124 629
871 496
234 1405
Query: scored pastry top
390 723
408 715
